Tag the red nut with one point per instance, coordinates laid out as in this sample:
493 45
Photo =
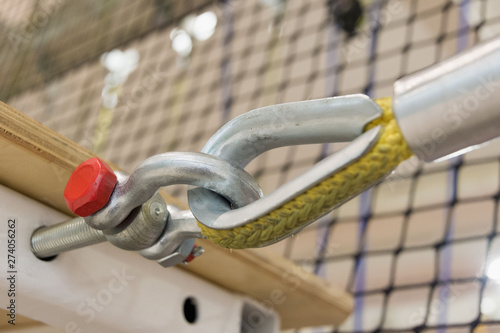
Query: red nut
89 187
195 252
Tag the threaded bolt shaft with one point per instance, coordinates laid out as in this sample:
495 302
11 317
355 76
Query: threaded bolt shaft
70 235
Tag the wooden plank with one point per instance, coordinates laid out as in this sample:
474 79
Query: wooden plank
37 162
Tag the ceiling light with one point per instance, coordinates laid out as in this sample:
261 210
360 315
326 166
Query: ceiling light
493 270
182 43
204 26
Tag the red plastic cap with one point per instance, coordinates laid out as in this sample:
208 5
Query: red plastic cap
89 187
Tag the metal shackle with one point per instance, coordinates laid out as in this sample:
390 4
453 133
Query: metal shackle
196 169
335 119
136 218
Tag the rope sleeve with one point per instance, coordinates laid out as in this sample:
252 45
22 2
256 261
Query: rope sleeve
390 150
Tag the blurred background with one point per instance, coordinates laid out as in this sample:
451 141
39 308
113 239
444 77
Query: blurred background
130 79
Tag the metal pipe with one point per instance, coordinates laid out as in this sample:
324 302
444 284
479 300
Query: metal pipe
451 107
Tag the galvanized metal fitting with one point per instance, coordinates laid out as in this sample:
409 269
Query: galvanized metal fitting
441 111
171 245
336 119
177 240
211 210
196 169
142 227
137 218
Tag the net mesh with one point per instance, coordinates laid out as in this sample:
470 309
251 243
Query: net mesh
416 251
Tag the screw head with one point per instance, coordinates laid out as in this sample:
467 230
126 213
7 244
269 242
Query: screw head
89 187
156 210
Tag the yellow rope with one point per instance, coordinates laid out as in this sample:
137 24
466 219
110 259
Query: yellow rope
390 150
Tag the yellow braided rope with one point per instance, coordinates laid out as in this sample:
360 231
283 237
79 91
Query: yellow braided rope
390 150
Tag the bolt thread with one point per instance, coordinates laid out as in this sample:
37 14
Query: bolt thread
70 235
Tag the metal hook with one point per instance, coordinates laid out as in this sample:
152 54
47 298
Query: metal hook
214 212
336 119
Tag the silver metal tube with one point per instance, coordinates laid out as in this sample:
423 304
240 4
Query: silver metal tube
453 106
47 242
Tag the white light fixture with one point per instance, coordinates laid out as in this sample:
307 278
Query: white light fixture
109 99
181 42
489 306
200 27
114 60
493 270
187 23
122 62
120 65
204 26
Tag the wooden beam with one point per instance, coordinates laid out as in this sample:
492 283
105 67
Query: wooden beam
37 162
